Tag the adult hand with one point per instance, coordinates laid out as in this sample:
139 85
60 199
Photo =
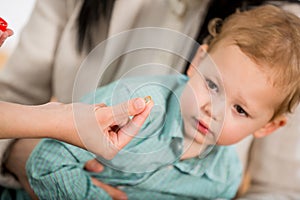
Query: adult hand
100 129
106 130
118 127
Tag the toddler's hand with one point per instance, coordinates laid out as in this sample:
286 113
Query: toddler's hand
96 167
4 32
4 35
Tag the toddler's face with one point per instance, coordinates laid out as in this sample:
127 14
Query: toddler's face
229 99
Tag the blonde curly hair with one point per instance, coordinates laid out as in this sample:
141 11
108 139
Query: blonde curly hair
269 36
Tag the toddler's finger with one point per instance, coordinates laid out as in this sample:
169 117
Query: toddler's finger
113 192
93 166
9 32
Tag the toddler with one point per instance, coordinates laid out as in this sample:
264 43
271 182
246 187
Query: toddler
244 85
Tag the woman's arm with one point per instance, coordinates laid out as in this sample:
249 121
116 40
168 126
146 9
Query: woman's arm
52 120
56 120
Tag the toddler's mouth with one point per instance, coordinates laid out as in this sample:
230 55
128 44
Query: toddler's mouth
202 127
205 130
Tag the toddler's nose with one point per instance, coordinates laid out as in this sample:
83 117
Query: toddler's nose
214 110
207 109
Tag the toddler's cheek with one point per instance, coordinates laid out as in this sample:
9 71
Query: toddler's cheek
188 102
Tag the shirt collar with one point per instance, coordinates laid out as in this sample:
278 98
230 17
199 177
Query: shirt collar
173 127
174 123
212 165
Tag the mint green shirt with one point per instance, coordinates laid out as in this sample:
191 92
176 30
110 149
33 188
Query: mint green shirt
149 167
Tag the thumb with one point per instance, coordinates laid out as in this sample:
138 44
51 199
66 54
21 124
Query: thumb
122 111
136 106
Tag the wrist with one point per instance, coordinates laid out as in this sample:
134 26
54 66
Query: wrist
57 119
61 124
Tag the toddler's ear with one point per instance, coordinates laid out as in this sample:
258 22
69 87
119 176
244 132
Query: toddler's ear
197 59
271 126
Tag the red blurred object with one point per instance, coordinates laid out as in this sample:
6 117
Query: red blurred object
3 24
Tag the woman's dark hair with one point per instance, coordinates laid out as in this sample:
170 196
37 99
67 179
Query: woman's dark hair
220 9
92 11
223 8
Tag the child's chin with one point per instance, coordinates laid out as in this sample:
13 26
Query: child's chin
200 139
224 143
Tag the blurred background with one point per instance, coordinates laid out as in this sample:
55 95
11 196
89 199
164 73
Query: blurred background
16 14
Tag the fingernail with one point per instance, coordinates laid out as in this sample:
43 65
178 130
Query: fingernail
100 168
139 104
97 167
147 99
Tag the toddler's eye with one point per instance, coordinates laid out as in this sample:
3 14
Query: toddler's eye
240 110
211 85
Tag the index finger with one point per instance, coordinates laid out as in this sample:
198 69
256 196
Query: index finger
9 32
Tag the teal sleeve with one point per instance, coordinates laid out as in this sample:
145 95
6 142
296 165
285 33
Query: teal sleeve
55 171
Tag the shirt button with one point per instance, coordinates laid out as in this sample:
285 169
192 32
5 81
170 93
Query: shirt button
178 146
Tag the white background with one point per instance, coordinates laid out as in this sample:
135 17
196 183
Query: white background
16 14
